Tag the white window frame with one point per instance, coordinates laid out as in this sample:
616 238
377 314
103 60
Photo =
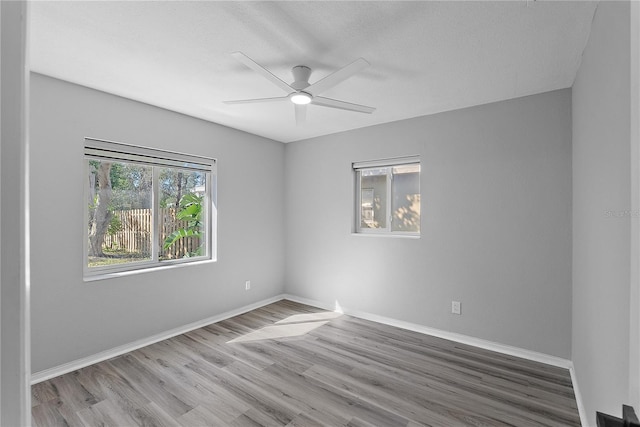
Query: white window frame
98 149
387 165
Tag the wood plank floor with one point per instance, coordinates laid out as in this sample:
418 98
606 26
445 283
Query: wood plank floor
288 364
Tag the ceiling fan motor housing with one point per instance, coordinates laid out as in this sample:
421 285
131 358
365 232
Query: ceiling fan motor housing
301 75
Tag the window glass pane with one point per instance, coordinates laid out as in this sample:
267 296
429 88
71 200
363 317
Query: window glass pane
119 214
182 213
405 204
373 198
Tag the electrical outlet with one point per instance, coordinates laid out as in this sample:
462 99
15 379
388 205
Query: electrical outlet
455 307
247 285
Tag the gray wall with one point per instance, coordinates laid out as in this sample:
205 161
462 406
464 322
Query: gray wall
601 218
73 319
496 223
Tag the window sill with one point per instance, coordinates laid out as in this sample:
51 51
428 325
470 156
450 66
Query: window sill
116 274
391 235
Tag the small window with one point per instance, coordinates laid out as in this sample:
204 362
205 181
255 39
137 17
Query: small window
146 207
388 196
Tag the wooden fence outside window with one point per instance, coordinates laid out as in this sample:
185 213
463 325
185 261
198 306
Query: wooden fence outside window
132 233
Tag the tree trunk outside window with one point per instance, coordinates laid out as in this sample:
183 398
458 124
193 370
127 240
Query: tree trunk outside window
102 215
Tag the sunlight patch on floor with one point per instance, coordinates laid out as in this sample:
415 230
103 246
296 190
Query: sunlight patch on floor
279 331
310 317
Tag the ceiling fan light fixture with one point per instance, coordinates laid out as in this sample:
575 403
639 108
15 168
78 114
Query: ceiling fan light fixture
301 98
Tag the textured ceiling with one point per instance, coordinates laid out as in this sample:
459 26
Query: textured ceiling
426 57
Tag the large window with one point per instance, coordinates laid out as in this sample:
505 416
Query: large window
388 196
146 207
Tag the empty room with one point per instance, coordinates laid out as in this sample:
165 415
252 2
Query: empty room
320 213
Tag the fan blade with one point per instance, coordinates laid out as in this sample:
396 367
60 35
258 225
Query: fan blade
334 103
253 101
241 57
333 79
301 114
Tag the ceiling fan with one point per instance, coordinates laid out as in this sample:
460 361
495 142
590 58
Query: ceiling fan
300 92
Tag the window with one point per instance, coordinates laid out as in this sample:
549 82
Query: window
388 196
146 207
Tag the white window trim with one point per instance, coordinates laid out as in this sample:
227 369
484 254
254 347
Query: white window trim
98 149
387 164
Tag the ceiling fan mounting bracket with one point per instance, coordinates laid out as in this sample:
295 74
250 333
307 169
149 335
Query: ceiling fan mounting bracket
301 75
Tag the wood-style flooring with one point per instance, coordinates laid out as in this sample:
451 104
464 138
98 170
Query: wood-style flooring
288 364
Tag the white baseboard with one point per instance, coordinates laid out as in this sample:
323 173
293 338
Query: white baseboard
576 391
126 348
452 336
